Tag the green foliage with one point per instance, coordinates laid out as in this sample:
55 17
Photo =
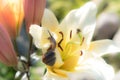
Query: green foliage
114 6
6 73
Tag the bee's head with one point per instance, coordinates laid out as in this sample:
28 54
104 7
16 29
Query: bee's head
52 41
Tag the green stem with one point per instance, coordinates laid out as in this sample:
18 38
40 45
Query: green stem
29 53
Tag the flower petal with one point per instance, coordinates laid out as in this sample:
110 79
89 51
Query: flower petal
7 53
49 76
11 15
59 61
49 20
94 69
33 10
40 36
102 47
82 19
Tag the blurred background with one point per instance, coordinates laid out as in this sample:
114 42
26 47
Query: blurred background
108 23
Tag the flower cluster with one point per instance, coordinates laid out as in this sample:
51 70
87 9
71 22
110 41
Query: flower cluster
67 48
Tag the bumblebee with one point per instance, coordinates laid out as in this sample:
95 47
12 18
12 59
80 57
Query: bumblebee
49 57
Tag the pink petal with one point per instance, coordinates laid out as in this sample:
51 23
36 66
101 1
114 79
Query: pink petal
7 53
33 10
11 15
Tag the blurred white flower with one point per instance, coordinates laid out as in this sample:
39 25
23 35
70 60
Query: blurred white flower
107 26
74 52
117 76
116 37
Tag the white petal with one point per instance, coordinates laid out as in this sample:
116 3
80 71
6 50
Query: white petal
116 37
117 76
24 77
59 61
18 73
102 47
94 69
49 76
83 19
40 36
49 20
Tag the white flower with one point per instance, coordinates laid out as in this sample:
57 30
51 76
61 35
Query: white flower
74 51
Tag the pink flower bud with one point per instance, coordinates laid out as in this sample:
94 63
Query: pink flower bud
7 53
11 15
33 10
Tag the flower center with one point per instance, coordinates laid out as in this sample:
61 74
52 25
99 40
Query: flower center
70 52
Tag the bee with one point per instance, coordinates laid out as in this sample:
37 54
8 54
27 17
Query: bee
49 57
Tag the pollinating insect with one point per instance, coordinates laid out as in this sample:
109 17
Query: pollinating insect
49 57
